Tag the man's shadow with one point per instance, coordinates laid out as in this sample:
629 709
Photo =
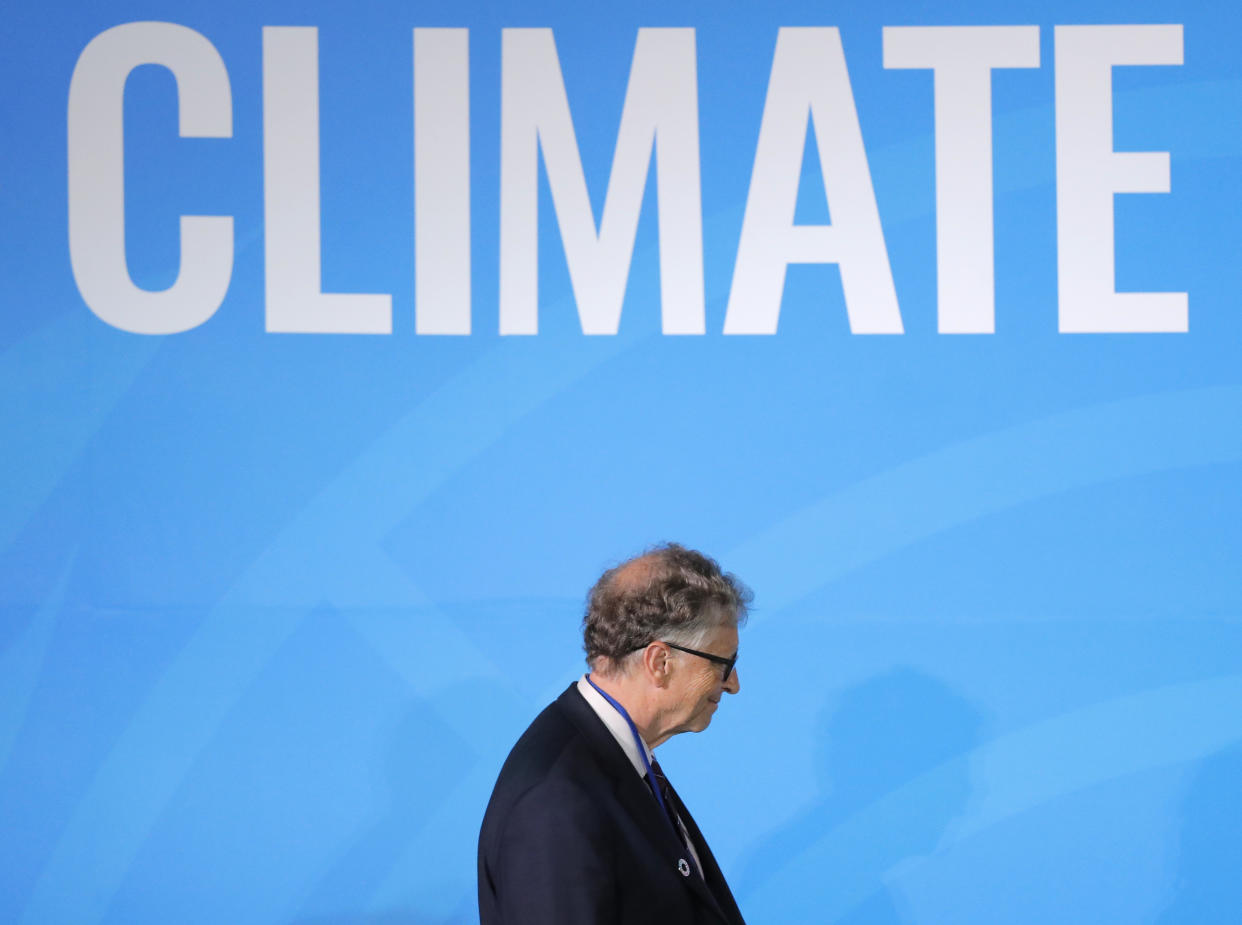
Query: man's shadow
1209 885
891 760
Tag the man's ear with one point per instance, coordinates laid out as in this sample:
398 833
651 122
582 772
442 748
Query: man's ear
657 663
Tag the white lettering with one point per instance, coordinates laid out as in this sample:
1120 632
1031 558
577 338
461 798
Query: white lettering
1090 172
442 181
296 303
660 110
809 78
962 59
96 178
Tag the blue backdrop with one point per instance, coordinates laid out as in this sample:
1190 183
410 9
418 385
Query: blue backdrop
276 598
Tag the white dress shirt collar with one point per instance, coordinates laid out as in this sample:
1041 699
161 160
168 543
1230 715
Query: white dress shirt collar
620 730
616 724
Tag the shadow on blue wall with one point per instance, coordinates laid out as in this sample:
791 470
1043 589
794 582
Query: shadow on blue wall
1209 887
890 761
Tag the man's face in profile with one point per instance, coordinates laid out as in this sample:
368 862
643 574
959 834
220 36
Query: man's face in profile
698 684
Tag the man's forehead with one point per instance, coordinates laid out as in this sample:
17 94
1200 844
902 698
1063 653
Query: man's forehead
724 638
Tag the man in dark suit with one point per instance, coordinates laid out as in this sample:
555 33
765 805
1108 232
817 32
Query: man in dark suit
582 827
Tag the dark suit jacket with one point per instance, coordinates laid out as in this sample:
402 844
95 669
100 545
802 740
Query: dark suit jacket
572 836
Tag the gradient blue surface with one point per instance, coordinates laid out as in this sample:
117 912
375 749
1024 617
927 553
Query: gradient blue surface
274 607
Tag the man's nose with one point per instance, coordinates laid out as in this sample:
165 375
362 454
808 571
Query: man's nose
733 685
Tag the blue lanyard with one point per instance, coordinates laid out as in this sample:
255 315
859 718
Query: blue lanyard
642 748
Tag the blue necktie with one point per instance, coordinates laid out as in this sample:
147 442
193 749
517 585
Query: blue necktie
666 791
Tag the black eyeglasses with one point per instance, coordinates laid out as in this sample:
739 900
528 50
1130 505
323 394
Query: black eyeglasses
718 659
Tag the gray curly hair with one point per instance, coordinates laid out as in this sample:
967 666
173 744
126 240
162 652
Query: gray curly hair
668 593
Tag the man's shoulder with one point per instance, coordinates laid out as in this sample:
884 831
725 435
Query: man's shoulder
560 750
554 743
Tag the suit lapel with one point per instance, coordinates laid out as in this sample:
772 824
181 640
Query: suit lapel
639 802
636 797
719 888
